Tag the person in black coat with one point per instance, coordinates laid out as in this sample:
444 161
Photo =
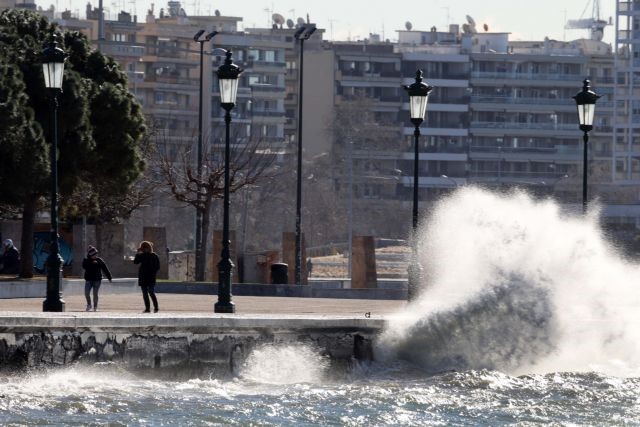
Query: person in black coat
149 266
10 259
93 268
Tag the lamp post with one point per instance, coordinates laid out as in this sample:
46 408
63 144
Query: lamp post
228 78
200 262
586 103
53 69
418 96
302 33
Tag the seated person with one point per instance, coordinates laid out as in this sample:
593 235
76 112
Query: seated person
10 259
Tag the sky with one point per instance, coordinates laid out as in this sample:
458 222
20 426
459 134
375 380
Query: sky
355 19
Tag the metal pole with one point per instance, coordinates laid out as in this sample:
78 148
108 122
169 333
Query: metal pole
225 266
416 134
54 301
199 237
299 181
350 243
585 169
414 265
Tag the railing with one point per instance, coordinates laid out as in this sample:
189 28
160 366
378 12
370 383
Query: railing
458 100
122 50
268 113
534 177
512 100
448 76
525 76
272 64
371 74
266 88
496 149
517 125
151 77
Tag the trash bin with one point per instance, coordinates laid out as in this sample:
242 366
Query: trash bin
279 273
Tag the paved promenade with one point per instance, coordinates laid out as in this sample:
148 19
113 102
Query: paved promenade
182 304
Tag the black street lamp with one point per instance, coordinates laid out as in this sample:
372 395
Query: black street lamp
586 103
200 262
418 96
53 69
302 33
228 77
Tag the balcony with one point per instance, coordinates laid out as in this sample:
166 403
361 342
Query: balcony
268 112
516 177
168 79
268 64
121 49
511 100
525 126
503 75
266 88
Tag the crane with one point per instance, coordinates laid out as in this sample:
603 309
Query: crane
594 24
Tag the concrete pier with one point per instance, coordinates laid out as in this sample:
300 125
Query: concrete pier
195 343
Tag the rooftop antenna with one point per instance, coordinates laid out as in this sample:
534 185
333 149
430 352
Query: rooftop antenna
331 21
269 14
448 14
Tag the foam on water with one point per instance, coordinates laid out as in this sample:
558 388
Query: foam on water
285 364
519 286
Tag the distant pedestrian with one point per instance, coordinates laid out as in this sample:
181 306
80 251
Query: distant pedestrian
309 267
93 266
10 259
149 266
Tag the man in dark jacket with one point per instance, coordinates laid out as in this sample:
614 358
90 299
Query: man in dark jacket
10 259
93 268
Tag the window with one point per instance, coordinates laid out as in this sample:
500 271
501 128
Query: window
254 54
269 55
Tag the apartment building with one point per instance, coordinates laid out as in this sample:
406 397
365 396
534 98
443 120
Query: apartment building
523 124
625 145
501 115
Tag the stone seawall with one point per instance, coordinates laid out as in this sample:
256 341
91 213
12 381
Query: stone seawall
192 344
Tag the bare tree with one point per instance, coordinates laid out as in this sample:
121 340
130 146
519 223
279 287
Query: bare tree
176 171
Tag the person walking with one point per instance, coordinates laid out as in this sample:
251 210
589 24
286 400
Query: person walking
93 266
149 266
10 259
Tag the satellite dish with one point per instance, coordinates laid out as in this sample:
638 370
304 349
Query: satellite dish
471 21
486 27
290 23
408 25
217 12
300 21
277 19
